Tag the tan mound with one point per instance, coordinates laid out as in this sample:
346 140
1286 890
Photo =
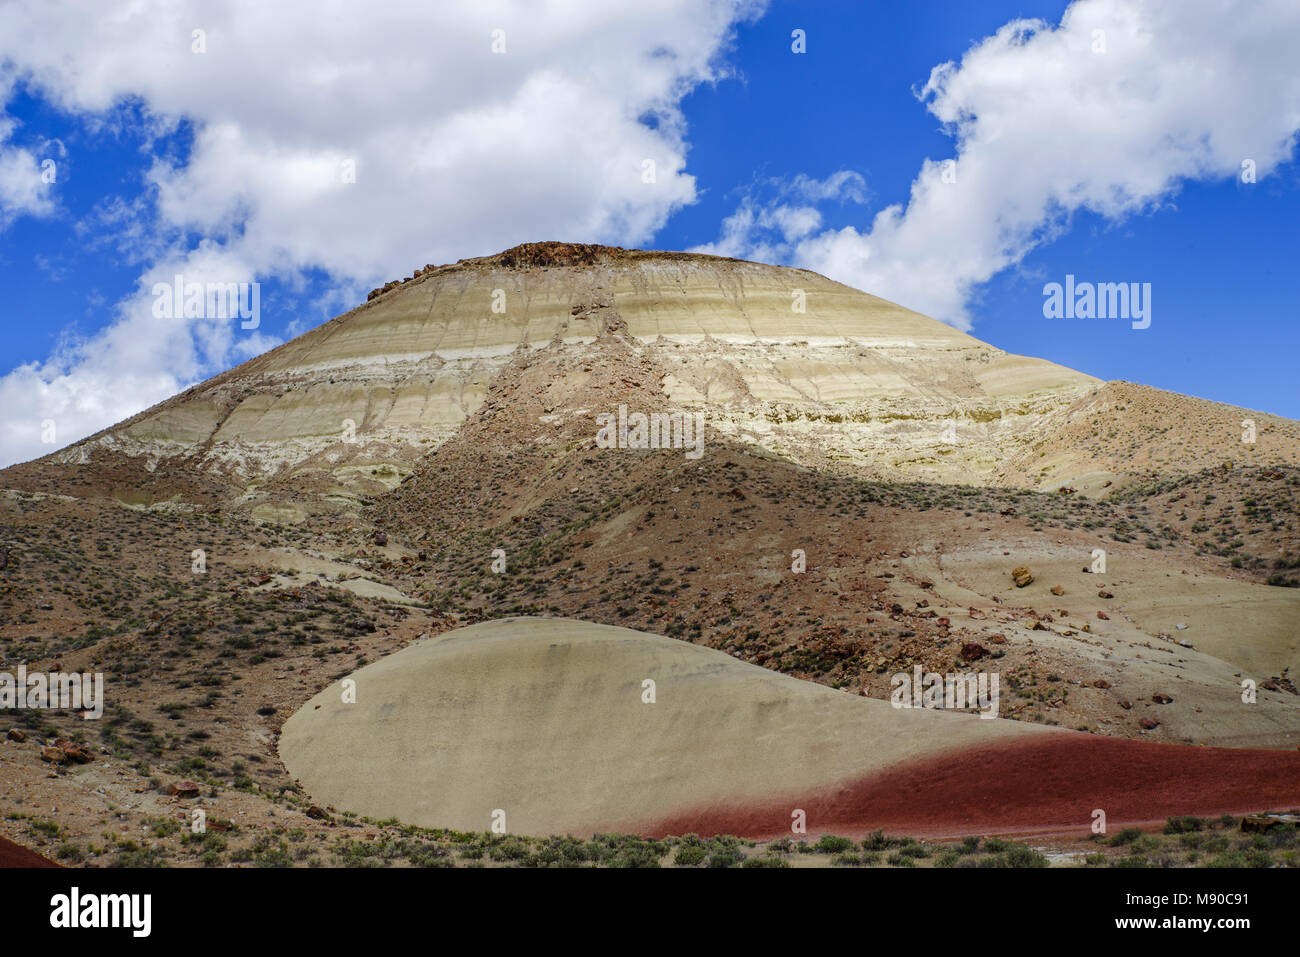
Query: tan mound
543 719
787 359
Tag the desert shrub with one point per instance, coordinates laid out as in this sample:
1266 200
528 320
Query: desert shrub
1126 836
831 844
765 861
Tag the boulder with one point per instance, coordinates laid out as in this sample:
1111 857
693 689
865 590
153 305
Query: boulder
74 751
1021 576
1259 823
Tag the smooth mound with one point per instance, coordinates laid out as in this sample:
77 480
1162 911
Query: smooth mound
543 718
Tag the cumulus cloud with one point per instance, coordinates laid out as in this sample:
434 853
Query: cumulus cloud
774 215
1109 112
362 140
25 189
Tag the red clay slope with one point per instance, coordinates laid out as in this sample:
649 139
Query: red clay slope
15 855
1047 784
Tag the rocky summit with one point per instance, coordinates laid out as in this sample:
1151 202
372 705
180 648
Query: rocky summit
782 360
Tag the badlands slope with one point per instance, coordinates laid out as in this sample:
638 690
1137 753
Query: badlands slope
783 359
327 548
547 721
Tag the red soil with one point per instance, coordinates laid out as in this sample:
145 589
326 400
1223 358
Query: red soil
1048 783
14 855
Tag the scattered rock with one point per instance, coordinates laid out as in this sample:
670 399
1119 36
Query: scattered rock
1021 576
977 615
74 751
184 790
973 651
1104 594
1058 590
1101 683
1259 823
266 709
16 735
381 539
998 639
1103 616
53 755
316 813
1148 724
1126 704
1160 698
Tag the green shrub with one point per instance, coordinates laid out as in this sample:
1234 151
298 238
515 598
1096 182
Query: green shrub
830 844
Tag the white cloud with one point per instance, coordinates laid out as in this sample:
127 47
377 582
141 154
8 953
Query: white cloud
768 229
457 150
24 191
136 360
1046 125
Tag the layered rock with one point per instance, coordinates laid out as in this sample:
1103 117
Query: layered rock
808 369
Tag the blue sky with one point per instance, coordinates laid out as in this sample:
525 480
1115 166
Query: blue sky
1221 256
1116 163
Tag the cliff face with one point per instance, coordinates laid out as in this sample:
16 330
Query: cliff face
806 368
